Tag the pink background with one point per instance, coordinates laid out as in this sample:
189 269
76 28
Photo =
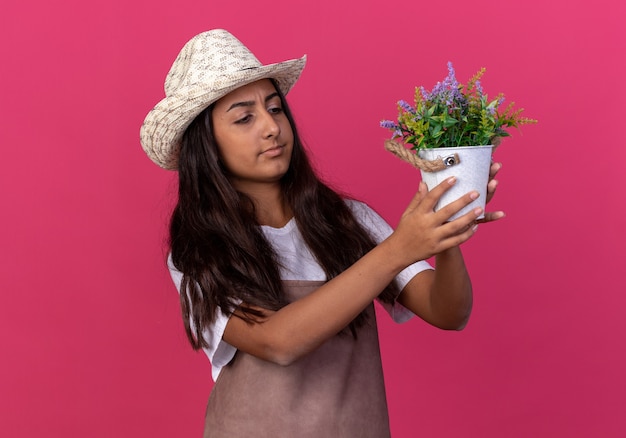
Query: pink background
91 338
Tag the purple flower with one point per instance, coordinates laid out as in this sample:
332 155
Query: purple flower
452 113
451 76
388 124
406 106
447 92
479 88
437 91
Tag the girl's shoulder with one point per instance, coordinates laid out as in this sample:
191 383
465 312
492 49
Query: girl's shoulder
362 211
357 207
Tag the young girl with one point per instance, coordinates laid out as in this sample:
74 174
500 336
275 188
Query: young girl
277 273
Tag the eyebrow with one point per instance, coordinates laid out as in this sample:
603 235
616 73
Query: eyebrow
251 102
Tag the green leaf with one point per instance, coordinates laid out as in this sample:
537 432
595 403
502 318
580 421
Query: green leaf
449 121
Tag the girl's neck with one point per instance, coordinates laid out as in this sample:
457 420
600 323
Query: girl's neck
270 205
277 218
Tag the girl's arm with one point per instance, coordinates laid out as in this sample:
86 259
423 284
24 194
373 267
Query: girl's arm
300 327
443 297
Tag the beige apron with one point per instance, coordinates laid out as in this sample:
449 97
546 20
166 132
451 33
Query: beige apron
336 391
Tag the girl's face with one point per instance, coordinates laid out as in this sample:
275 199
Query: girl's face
254 137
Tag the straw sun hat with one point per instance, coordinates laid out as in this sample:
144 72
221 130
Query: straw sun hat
209 66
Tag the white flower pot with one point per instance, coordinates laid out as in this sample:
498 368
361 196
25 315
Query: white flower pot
472 173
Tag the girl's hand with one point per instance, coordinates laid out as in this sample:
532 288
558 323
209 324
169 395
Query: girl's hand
492 185
423 233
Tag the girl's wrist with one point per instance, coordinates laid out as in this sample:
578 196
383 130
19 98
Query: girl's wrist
393 254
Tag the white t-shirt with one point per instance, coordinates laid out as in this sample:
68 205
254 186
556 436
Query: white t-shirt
297 263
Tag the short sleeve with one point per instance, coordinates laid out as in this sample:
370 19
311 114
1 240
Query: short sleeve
219 352
379 229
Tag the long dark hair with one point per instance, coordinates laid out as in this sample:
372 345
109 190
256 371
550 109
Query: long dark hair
217 244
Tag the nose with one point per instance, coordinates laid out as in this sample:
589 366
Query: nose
270 126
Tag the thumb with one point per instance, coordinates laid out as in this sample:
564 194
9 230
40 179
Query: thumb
422 191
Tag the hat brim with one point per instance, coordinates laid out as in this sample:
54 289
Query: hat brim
163 127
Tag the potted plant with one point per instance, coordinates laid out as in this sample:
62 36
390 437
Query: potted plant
453 130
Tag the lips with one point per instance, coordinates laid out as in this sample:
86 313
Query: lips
275 150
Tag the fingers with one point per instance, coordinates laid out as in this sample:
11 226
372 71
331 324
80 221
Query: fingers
431 198
447 211
460 230
423 232
422 191
461 224
494 169
493 183
491 189
444 213
492 216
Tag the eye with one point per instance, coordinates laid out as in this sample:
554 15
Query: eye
275 110
243 120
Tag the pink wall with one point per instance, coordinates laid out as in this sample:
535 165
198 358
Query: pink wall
91 338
